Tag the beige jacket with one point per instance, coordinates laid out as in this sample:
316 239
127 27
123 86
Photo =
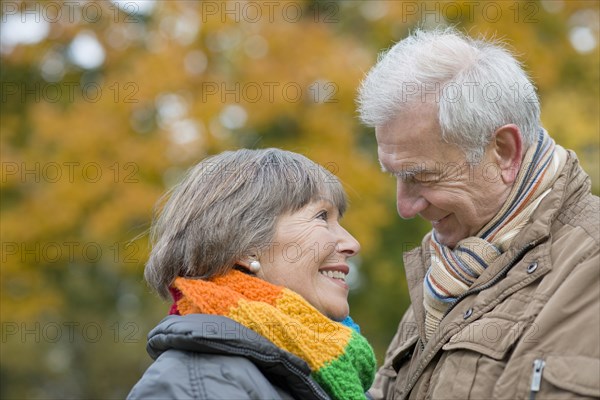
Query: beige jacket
530 325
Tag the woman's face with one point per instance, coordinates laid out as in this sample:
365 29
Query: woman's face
309 255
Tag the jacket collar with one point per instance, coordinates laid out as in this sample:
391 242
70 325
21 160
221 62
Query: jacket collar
202 333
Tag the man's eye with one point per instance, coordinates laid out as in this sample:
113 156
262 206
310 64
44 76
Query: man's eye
427 178
409 179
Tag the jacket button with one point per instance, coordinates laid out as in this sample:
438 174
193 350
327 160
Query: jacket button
468 313
532 267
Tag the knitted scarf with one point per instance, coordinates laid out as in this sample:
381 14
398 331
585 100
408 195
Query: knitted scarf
453 271
340 359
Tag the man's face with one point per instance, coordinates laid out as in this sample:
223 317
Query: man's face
434 179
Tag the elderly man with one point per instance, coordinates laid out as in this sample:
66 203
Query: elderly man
505 288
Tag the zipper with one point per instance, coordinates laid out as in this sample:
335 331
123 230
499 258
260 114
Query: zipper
536 378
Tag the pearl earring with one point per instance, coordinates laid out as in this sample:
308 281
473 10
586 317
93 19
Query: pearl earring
254 266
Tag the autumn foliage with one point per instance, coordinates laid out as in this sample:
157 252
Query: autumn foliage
88 148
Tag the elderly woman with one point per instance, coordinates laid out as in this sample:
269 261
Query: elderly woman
250 247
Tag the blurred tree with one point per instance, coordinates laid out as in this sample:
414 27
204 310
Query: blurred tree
105 104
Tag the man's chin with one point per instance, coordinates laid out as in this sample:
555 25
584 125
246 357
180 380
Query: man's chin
447 240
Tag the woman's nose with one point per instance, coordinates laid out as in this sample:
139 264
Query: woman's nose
348 243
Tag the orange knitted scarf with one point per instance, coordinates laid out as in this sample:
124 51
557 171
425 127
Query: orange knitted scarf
341 360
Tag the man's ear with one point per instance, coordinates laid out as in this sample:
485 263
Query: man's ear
508 151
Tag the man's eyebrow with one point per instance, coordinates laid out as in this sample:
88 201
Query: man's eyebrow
405 172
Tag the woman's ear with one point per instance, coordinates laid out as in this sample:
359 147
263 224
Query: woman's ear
250 264
508 151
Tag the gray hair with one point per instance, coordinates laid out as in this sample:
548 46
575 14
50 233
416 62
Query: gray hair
478 86
226 208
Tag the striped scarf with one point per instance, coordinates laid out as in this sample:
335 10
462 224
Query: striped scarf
453 271
340 359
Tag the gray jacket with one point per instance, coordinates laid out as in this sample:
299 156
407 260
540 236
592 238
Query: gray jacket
200 356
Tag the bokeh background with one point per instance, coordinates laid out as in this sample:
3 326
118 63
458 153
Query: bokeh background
104 104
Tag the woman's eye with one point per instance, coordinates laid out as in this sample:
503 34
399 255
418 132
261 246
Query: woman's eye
323 215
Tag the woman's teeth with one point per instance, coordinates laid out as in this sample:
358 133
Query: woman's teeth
334 274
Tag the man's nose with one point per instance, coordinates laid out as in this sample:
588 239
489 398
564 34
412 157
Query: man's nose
408 199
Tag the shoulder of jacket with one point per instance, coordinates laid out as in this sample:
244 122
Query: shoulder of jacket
577 229
167 377
184 374
579 207
239 350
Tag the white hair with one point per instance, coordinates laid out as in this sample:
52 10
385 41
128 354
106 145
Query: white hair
477 85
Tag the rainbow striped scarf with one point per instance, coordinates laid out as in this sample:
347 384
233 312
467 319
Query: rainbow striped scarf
453 271
341 360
